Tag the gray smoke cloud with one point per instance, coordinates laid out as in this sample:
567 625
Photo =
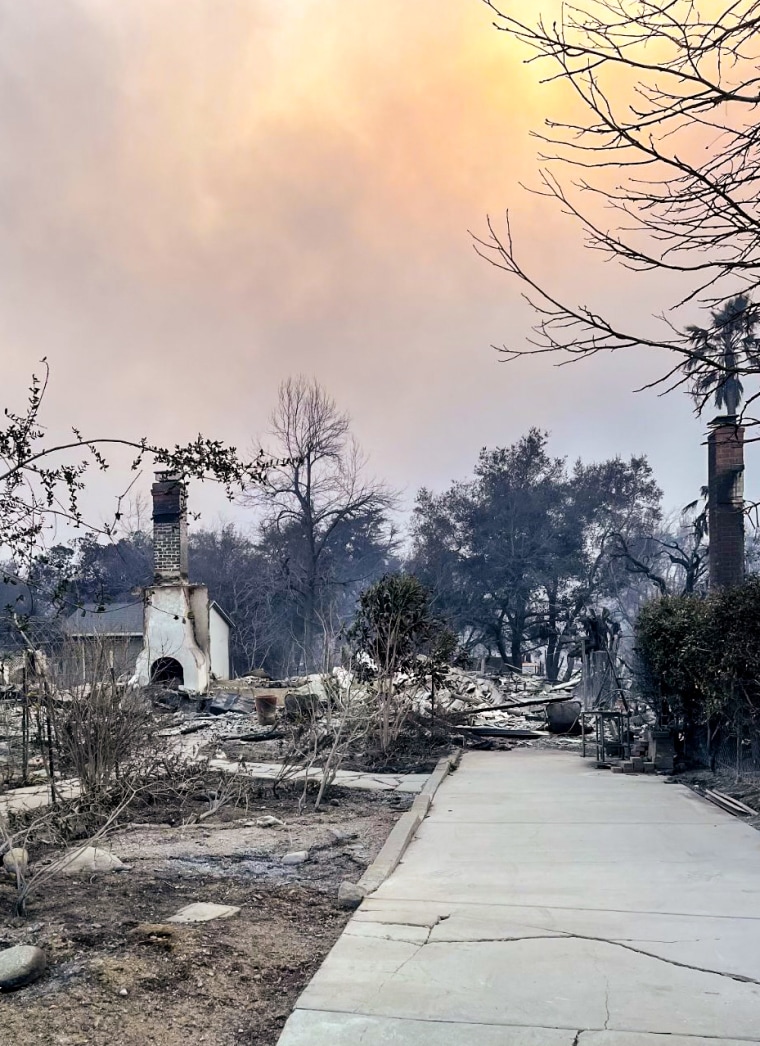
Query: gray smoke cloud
199 198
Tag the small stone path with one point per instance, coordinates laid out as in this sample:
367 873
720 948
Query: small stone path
367 782
38 796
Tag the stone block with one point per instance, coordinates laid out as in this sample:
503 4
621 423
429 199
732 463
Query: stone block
203 912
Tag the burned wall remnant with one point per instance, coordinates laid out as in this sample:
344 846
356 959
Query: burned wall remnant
725 458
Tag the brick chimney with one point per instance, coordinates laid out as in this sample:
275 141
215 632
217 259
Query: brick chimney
725 502
169 528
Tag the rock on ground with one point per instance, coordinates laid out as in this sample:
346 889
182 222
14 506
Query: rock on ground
337 836
350 895
92 859
297 857
16 860
20 965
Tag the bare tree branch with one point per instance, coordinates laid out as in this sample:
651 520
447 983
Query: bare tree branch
669 91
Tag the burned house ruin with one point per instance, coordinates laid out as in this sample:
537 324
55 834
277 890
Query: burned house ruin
186 635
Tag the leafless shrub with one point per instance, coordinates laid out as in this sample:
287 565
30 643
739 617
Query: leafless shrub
104 728
323 732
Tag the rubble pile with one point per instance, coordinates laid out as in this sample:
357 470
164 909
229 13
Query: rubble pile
251 709
513 705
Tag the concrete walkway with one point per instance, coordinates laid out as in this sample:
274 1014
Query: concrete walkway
545 903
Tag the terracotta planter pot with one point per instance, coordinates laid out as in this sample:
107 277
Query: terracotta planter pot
266 709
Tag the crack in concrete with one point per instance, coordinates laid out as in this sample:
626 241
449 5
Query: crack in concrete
671 962
414 954
399 968
462 903
438 921
565 935
397 922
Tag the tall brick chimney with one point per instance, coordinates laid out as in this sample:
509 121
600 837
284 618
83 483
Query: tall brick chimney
169 528
725 502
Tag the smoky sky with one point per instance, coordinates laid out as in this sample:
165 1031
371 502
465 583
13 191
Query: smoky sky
200 198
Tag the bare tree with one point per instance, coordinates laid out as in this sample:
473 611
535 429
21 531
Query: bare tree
41 480
670 561
667 141
324 519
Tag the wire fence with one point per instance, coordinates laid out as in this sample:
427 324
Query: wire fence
733 752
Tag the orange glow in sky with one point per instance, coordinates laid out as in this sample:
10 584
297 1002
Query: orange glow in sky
211 195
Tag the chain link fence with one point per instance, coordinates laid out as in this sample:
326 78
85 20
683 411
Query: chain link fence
731 751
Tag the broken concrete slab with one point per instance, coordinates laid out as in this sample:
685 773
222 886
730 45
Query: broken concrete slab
525 980
411 783
203 912
390 931
34 797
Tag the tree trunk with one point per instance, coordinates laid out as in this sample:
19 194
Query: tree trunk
309 605
517 657
553 654
553 648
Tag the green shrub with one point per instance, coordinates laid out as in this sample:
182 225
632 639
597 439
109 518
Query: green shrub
702 654
396 633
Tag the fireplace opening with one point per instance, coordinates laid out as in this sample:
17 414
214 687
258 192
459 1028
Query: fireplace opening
167 671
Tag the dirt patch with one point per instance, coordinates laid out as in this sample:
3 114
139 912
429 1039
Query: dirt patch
119 974
747 790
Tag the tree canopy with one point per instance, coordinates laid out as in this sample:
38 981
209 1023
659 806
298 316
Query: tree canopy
516 555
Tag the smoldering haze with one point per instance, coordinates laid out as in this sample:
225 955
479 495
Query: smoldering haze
201 197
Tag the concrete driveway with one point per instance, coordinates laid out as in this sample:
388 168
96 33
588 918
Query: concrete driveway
545 903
